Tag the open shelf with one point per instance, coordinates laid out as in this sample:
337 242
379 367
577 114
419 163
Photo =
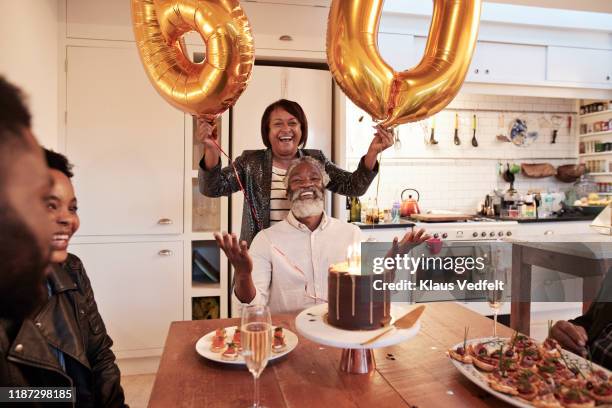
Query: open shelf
592 114
205 264
205 307
206 211
596 154
605 173
607 132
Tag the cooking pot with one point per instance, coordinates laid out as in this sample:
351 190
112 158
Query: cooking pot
410 205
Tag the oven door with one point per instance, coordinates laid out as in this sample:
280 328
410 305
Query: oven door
435 281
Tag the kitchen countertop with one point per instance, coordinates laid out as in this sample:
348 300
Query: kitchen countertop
550 219
401 224
404 223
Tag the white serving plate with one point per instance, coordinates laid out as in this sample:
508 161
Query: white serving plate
203 346
479 377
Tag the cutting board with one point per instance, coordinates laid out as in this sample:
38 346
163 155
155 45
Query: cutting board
441 217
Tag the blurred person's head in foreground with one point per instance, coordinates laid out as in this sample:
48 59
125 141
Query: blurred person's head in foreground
25 225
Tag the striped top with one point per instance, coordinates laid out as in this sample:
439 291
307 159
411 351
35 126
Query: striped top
279 205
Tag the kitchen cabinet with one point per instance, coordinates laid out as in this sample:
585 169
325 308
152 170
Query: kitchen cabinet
513 63
127 145
398 50
501 62
138 289
304 24
580 65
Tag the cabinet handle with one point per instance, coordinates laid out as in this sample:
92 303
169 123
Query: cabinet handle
476 70
487 71
549 232
608 78
165 221
165 252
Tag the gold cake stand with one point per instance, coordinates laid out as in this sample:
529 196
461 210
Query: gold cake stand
356 358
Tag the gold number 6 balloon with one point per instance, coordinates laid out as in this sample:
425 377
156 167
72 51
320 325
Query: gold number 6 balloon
393 97
204 89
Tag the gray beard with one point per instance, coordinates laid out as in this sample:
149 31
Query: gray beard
307 208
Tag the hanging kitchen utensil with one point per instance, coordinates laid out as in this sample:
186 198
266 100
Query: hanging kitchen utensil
519 135
474 141
425 129
508 175
556 125
456 139
569 173
397 143
538 170
501 126
432 137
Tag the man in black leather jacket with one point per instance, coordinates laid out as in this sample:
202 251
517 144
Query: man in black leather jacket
69 321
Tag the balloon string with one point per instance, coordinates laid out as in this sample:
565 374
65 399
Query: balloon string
246 198
378 176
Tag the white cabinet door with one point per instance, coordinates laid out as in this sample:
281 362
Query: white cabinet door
501 63
511 63
311 88
127 145
398 50
579 65
138 288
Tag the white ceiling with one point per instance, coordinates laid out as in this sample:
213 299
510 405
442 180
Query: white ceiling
600 6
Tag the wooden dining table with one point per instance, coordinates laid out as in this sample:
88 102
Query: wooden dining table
416 373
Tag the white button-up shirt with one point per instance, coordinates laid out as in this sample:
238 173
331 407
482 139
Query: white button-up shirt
290 262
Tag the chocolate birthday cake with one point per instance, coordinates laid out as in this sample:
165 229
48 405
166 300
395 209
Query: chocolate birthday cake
353 304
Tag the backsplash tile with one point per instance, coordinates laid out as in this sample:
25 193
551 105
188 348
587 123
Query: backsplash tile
458 177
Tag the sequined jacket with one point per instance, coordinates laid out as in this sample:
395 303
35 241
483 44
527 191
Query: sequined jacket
254 168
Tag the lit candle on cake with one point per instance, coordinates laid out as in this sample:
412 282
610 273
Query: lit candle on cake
353 258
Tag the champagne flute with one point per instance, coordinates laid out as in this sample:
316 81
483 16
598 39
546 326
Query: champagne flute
496 301
256 332
498 272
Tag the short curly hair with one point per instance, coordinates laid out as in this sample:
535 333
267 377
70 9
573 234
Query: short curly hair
309 160
59 162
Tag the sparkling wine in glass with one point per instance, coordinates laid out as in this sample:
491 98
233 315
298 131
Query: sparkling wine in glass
498 272
256 332
496 301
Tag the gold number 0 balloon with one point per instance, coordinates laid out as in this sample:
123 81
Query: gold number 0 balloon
400 97
205 89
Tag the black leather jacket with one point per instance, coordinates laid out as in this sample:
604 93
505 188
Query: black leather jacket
69 321
255 170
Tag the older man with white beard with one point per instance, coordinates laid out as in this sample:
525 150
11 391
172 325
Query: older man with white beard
287 264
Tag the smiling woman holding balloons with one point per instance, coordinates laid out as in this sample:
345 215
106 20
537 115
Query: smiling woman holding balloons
284 132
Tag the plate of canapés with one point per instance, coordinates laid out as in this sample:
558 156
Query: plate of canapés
526 373
224 345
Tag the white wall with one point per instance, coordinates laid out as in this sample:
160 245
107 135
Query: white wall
453 177
29 58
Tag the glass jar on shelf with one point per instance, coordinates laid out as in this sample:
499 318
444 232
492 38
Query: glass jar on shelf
584 186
